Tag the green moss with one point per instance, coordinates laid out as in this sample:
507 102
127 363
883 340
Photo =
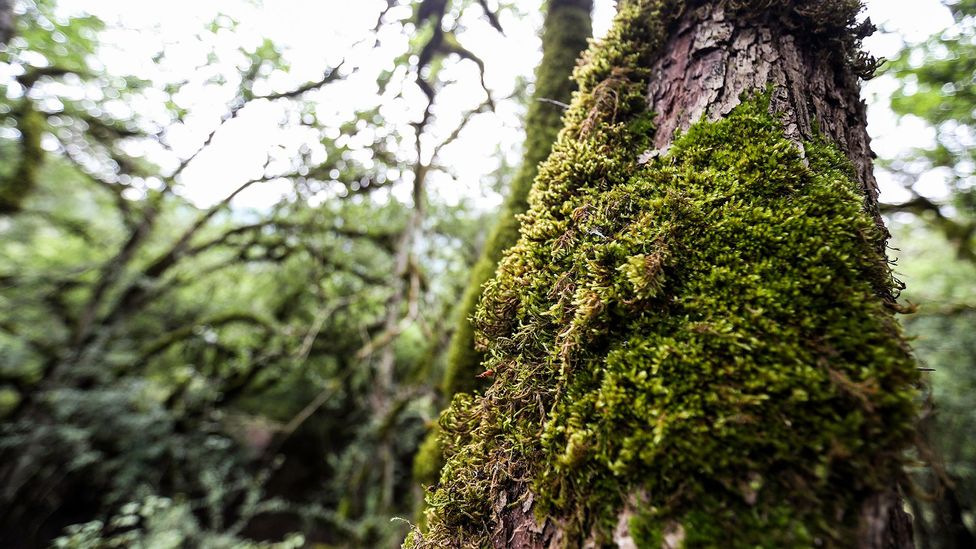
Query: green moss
567 28
708 332
646 530
10 398
426 462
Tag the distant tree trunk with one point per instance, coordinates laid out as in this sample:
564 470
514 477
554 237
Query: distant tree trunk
947 529
566 30
16 187
6 21
693 341
949 518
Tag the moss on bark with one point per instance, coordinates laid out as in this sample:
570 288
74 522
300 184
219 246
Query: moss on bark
694 346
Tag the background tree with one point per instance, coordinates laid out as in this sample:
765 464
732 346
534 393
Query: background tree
200 362
937 85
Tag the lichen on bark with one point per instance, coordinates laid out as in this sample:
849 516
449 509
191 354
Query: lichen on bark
694 347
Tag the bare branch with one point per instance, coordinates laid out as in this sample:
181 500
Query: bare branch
492 16
960 234
113 188
486 106
330 76
184 332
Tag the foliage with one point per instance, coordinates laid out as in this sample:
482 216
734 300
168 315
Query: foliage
157 523
943 288
220 358
937 84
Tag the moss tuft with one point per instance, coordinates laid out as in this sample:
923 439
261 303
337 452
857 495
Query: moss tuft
567 28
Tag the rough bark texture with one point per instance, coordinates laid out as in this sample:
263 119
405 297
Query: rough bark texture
714 57
884 523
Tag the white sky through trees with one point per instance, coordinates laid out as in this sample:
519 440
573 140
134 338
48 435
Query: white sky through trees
317 34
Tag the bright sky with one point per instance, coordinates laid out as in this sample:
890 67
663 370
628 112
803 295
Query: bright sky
320 33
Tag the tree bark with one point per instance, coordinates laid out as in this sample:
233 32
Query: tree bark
714 57
710 62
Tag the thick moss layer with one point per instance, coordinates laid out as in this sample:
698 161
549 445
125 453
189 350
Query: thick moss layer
700 338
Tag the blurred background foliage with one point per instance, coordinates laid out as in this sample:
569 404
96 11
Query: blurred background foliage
178 375
935 236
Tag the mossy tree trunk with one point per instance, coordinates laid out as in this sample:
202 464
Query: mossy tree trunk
693 341
17 185
566 30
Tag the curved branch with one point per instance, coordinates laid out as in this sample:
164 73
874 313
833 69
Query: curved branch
185 332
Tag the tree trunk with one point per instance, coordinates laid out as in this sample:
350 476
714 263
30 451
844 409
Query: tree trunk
713 57
693 339
566 31
7 21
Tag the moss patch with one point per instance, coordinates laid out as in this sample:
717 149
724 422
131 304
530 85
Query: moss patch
706 334
567 29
